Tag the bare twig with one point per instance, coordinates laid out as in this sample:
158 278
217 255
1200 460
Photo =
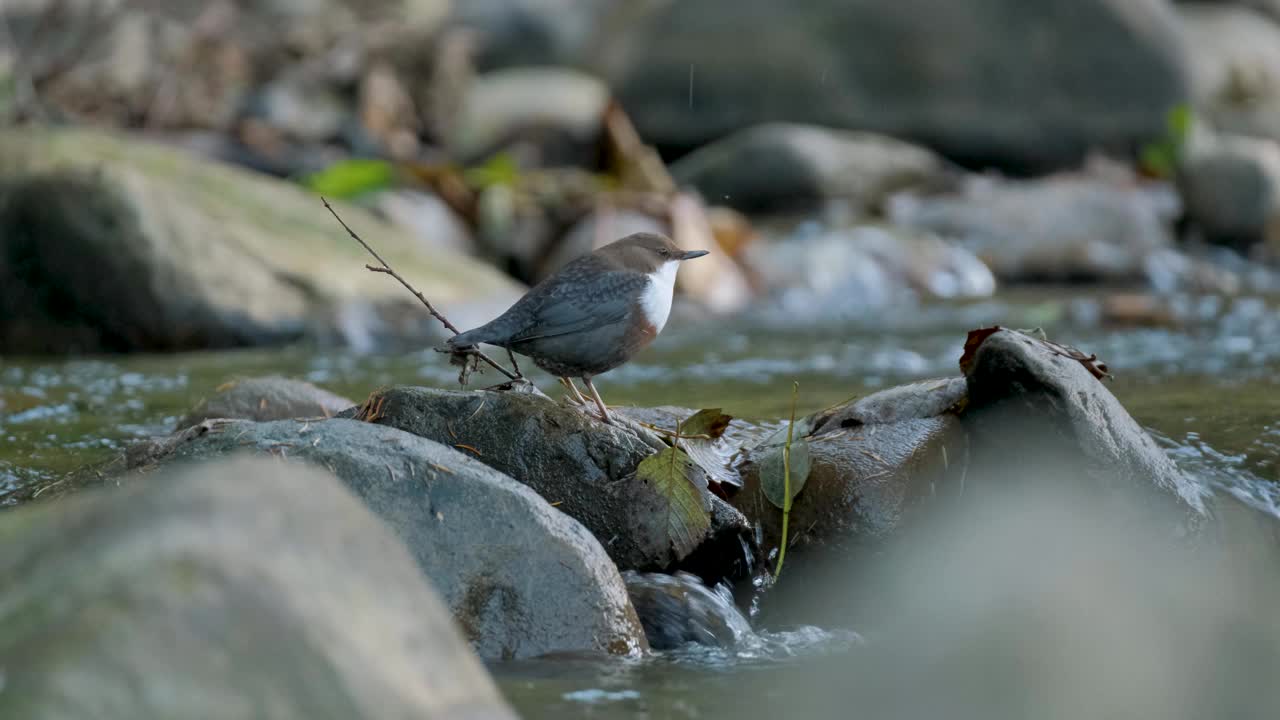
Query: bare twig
387 270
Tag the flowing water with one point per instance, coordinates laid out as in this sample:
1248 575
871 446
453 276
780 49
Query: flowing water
1209 390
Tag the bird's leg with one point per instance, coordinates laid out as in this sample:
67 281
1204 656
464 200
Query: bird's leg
604 412
514 366
577 398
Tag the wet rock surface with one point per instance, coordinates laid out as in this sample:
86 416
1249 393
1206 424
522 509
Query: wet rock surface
520 578
583 466
867 463
679 609
266 398
118 245
219 591
1031 405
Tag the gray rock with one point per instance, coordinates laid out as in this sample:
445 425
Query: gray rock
842 273
560 109
787 167
266 398
1035 415
109 244
533 32
238 590
582 466
303 106
1066 227
1235 63
871 463
521 578
1231 188
988 82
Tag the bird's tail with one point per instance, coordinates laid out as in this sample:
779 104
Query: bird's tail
468 339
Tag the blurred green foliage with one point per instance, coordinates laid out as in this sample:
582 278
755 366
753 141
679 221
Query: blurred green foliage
500 169
1161 157
350 178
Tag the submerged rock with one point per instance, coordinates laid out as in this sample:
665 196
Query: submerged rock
520 578
787 167
585 468
679 609
266 398
109 244
220 592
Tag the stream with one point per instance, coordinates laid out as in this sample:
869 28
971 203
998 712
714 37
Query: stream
1209 390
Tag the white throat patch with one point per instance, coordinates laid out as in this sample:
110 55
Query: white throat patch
656 300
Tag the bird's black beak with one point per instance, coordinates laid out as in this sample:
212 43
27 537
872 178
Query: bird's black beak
694 254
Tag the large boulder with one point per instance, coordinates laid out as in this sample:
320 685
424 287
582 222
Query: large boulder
788 167
1006 82
521 578
109 244
1039 412
857 468
266 398
587 469
242 589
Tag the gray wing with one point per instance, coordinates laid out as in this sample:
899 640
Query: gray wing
562 312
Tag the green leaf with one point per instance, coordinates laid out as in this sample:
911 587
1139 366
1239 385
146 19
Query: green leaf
772 478
1158 159
711 422
501 169
685 510
1179 122
350 178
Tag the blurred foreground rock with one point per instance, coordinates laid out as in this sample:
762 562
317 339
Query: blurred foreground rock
243 589
118 245
520 578
266 398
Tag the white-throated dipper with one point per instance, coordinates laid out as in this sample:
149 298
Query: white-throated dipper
593 314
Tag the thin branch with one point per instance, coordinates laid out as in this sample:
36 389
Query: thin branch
386 269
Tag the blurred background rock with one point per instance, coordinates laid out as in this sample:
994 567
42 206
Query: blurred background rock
1083 141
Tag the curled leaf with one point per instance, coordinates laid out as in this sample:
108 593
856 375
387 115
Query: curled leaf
702 437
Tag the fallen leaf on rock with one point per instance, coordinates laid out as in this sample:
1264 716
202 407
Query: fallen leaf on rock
682 513
971 344
701 437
